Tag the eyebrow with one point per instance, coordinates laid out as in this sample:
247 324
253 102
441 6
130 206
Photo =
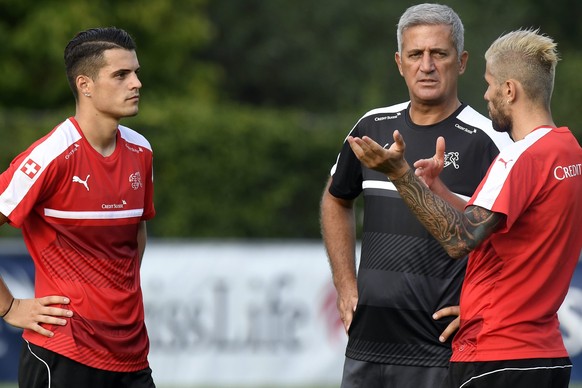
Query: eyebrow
124 71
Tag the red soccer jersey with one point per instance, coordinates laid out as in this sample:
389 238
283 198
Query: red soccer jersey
517 279
79 213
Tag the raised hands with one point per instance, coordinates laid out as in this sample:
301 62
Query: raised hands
388 161
428 170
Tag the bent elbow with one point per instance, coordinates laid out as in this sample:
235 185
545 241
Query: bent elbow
456 252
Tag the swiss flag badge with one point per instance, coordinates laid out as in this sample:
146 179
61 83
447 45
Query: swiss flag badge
30 168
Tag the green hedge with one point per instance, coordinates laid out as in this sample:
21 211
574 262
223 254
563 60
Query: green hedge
222 171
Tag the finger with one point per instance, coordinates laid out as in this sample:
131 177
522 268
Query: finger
347 321
450 330
447 312
372 144
53 299
355 145
398 139
42 331
57 312
440 149
422 163
51 320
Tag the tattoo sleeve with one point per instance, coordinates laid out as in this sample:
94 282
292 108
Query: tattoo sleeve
459 233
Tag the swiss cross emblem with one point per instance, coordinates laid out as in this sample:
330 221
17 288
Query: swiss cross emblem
30 168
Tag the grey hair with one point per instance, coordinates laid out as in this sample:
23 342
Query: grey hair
432 14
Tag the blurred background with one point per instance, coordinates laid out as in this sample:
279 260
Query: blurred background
246 104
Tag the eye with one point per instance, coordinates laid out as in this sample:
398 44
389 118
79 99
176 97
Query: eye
120 75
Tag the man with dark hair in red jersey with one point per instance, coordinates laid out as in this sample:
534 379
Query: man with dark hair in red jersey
82 195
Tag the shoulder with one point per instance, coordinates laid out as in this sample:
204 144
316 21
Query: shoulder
384 114
378 116
471 117
55 143
482 124
394 109
134 137
537 142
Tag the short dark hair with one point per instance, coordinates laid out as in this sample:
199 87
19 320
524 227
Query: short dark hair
84 53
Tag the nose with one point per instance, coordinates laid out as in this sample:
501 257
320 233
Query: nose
135 82
426 63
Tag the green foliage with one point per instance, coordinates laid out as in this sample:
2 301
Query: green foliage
337 55
33 35
232 171
314 55
246 103
221 170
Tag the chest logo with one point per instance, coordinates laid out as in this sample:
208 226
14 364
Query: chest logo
135 180
452 158
76 179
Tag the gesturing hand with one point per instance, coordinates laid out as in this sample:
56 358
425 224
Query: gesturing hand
388 161
429 169
31 313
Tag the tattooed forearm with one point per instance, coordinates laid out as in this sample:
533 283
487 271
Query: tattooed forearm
481 222
458 233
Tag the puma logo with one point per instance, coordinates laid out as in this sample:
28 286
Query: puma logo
76 179
504 162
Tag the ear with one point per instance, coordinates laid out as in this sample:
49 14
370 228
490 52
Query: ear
510 90
398 62
463 62
84 84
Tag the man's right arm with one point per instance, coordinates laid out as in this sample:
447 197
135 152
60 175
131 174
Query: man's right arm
339 236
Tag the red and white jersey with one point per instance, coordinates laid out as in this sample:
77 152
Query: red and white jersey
79 212
517 279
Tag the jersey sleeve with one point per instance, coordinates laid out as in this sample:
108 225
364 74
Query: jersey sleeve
347 172
509 187
21 186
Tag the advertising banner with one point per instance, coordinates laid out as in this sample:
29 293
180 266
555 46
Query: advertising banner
17 271
243 314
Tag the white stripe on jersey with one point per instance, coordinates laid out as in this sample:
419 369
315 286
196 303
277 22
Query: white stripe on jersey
390 109
390 186
93 215
476 119
134 137
502 166
378 185
43 154
468 115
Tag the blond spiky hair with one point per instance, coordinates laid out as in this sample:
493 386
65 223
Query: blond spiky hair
527 56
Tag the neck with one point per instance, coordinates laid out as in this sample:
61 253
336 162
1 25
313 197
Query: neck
101 134
528 119
424 114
